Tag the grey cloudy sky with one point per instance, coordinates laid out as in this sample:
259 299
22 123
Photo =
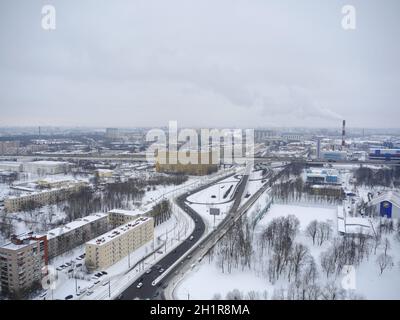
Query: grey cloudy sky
203 63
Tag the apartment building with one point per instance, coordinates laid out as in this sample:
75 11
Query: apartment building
43 197
118 217
111 247
76 233
173 162
21 263
22 259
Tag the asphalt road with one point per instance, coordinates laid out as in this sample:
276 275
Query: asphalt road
147 290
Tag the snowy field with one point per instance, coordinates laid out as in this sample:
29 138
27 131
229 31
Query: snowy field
369 283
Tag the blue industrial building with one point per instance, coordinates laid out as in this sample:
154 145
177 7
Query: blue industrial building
384 154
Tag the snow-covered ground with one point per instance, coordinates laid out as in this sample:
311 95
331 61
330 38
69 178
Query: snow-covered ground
369 283
213 197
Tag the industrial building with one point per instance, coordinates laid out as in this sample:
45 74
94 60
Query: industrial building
113 246
384 154
321 176
12 166
46 167
333 155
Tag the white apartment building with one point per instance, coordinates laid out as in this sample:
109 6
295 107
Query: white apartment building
111 247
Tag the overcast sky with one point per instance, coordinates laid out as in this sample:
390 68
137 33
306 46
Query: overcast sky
230 63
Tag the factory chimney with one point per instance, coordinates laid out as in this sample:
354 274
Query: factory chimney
343 134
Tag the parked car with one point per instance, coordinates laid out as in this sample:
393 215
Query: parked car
89 292
103 272
69 297
96 282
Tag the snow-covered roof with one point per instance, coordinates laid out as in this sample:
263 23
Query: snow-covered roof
126 212
74 225
118 232
358 225
390 196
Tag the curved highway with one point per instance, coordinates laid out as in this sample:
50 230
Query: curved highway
150 291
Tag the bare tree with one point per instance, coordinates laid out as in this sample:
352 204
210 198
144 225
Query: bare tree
311 230
384 261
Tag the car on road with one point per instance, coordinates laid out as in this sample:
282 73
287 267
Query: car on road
69 297
148 271
90 292
189 257
81 291
104 272
59 269
191 238
161 270
139 285
96 282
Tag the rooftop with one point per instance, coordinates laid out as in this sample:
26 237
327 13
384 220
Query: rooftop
118 232
74 225
126 212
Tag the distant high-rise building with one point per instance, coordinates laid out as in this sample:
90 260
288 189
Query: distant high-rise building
112 133
318 148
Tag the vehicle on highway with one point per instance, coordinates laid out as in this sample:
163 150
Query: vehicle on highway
191 238
96 282
148 271
104 272
189 257
139 285
81 291
89 292
161 270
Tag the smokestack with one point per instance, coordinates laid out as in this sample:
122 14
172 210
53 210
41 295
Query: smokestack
343 134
